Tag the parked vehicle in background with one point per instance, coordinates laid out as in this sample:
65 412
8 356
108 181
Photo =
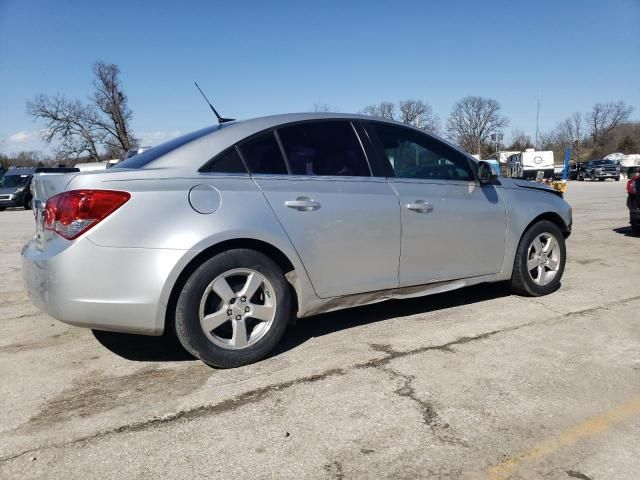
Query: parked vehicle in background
599 170
633 202
14 188
130 153
226 234
91 166
527 164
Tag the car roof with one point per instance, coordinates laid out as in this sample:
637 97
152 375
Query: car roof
215 139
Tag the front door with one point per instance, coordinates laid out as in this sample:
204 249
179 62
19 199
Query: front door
452 227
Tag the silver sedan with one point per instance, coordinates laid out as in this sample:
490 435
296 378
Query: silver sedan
226 234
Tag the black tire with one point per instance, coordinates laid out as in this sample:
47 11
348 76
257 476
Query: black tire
635 228
28 204
521 281
618 178
2 209
187 319
601 179
580 178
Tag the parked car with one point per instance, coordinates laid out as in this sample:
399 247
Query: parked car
14 188
599 170
228 233
128 154
633 202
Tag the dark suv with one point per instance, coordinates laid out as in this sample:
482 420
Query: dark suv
599 170
15 186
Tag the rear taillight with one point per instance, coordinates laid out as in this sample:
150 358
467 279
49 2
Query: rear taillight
72 213
631 185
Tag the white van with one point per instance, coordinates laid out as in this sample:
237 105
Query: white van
527 164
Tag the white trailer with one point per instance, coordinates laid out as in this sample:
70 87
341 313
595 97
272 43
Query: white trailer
527 164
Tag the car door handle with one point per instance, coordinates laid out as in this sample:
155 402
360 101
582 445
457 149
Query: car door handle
303 204
420 206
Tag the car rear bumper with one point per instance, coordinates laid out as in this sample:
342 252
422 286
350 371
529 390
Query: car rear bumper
115 289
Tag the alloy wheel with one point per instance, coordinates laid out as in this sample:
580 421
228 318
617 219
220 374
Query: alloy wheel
543 258
237 309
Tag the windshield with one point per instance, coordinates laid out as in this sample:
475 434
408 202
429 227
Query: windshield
603 162
12 181
143 159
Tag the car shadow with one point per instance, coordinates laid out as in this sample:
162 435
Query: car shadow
326 323
143 348
626 231
167 348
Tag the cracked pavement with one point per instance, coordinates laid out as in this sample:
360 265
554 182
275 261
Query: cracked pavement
475 383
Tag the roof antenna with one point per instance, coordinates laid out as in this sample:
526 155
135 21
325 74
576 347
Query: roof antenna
221 120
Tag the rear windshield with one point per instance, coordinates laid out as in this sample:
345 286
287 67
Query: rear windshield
9 181
143 159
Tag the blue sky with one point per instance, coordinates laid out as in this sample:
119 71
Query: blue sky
259 58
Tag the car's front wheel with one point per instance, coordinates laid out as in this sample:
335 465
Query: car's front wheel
233 309
540 259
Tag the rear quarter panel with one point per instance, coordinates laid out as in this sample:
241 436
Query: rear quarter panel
159 216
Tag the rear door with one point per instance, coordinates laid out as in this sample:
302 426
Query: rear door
344 223
452 227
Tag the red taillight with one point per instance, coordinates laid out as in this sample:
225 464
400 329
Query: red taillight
631 184
72 213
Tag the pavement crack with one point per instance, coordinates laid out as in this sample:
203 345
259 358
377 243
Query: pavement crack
427 410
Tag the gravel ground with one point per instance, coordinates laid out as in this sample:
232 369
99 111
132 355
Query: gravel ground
470 384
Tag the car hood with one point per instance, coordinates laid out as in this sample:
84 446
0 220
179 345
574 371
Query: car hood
528 184
5 190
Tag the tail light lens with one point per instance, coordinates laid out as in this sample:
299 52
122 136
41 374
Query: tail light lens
72 213
631 185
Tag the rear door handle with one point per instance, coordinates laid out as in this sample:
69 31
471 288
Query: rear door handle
420 206
303 204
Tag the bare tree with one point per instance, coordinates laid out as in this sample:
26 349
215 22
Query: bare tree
69 122
85 128
570 133
323 107
473 120
384 110
520 141
419 114
604 118
111 100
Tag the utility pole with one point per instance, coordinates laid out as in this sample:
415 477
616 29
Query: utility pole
538 122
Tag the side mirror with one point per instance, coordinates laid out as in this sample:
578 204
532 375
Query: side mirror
486 175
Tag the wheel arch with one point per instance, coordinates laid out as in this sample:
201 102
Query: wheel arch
281 259
552 217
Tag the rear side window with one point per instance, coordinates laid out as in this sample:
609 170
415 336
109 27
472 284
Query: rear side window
324 148
263 155
415 155
228 161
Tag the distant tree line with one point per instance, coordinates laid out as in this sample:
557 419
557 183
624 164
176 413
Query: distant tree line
475 123
100 128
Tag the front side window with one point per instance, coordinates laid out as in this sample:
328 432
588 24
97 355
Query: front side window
263 155
414 155
324 148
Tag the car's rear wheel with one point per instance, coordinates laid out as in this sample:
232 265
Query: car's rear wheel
233 309
540 259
